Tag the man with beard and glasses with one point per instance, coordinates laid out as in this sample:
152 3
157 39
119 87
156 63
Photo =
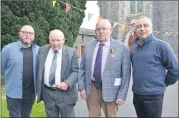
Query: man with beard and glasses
18 67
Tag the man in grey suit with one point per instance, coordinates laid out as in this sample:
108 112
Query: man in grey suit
57 75
104 72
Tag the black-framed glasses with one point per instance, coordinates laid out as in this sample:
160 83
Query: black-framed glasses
26 33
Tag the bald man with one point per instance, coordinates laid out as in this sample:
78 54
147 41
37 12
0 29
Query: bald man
155 67
18 67
57 75
104 73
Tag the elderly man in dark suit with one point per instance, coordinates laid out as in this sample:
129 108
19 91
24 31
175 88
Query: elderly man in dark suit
104 72
57 76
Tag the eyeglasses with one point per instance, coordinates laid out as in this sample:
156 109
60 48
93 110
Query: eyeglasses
103 29
55 40
26 33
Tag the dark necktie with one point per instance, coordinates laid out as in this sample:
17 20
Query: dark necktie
97 67
53 69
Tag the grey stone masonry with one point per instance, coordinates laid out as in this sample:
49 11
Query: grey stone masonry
109 9
164 15
165 19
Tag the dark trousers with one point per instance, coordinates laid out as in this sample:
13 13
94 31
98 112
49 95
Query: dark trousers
20 107
148 106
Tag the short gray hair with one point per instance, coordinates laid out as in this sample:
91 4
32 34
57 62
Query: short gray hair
106 20
57 31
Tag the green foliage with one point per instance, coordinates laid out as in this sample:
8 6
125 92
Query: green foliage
4 112
2 81
43 17
38 109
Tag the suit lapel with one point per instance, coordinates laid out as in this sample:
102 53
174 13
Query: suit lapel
44 55
112 46
64 61
90 53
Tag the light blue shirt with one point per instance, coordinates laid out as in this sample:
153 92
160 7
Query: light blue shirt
104 56
12 68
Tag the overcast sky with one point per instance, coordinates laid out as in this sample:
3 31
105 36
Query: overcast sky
91 7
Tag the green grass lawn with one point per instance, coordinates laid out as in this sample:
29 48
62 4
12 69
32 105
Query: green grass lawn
38 110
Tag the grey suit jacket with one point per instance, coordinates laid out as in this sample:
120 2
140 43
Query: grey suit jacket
118 66
69 72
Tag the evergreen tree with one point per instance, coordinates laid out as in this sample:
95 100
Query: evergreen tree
43 17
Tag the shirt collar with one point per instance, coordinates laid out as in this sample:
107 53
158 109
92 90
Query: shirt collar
20 47
107 43
52 51
147 40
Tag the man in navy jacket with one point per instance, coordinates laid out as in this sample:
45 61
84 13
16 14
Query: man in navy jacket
155 67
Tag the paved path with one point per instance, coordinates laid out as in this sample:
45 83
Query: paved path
170 106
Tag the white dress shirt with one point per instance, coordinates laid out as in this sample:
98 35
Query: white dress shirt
104 56
48 65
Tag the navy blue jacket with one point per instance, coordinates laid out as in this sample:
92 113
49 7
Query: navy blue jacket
155 66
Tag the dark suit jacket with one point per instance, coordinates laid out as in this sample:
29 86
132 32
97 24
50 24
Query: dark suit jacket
69 72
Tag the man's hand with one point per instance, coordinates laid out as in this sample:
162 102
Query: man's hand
62 85
119 101
83 94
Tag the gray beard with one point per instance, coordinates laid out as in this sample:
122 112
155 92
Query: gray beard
25 45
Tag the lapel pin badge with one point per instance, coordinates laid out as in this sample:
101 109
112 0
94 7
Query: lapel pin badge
112 52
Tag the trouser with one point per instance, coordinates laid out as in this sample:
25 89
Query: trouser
20 107
95 102
55 104
148 106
